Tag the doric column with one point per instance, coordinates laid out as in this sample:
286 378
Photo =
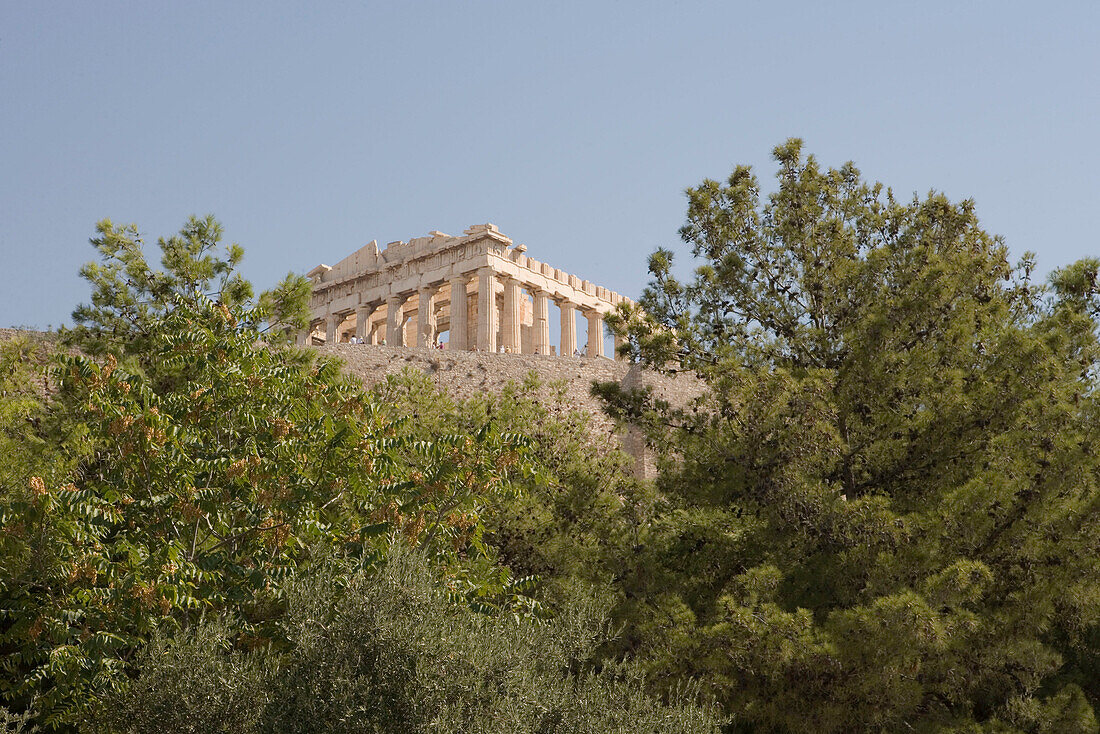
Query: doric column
303 336
510 322
542 322
619 341
486 310
459 314
568 328
595 333
395 320
362 321
331 325
425 317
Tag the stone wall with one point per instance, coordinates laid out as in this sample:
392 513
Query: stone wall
467 374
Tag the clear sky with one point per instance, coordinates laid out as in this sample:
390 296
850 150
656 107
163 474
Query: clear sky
310 129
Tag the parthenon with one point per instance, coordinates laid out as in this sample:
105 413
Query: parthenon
485 293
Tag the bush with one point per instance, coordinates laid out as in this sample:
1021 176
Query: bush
392 653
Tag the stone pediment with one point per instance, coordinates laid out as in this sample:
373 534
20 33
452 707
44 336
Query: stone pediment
370 258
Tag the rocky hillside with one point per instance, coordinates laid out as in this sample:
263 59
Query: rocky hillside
465 374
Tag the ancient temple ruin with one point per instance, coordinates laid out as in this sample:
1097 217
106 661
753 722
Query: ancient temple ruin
485 293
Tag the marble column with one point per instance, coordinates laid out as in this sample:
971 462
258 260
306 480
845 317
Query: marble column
510 321
568 328
303 336
459 314
619 342
595 333
395 322
486 310
362 321
542 322
332 324
425 317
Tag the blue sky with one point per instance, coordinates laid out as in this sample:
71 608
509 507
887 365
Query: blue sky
310 129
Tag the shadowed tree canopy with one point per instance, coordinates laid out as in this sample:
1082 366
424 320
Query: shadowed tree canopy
888 501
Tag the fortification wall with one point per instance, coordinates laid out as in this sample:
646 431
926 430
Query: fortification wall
467 374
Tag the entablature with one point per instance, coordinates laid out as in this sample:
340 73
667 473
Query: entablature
370 276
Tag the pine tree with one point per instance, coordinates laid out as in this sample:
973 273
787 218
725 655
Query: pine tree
888 498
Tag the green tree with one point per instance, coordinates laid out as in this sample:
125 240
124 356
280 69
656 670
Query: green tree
197 478
128 295
887 501
579 516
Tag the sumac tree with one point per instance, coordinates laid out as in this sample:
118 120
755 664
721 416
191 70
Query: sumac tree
199 466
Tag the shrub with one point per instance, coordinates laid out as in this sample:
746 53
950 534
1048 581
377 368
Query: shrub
391 653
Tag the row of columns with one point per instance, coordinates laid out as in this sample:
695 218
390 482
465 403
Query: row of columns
510 319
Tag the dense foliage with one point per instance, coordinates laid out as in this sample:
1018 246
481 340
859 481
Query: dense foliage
575 520
129 296
388 652
888 500
194 477
882 515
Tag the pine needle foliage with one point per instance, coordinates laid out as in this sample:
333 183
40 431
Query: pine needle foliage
889 503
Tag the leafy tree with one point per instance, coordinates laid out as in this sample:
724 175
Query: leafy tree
195 480
22 411
578 517
16 723
888 500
